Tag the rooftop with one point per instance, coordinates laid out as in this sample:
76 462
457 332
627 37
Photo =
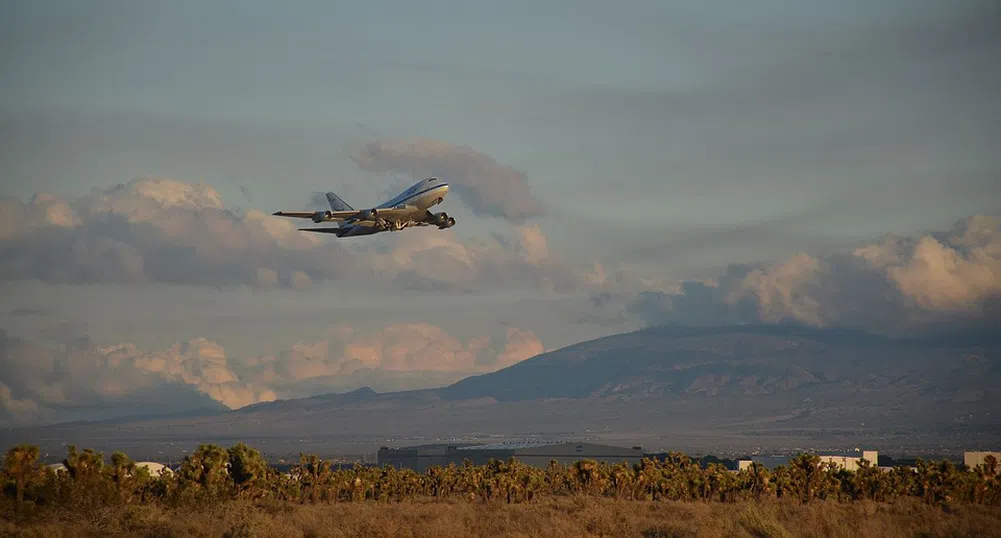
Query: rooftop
512 445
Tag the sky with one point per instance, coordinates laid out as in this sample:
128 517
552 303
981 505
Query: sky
613 166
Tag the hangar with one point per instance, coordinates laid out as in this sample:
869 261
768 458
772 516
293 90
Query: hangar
536 454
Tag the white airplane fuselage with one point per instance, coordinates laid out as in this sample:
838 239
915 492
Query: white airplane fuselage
422 195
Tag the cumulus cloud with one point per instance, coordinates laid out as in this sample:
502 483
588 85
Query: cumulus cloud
521 344
19 410
157 230
84 380
488 187
892 285
162 230
443 260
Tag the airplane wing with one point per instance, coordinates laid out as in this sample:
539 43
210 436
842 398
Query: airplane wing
391 213
324 215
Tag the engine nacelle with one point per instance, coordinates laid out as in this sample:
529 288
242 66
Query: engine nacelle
370 214
449 222
441 219
321 216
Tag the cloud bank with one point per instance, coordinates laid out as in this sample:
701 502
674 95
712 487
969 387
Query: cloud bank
157 230
486 186
894 285
519 258
164 230
82 379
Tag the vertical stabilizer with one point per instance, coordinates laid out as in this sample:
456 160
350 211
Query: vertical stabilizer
337 204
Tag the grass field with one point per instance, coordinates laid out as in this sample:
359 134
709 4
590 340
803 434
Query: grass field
570 517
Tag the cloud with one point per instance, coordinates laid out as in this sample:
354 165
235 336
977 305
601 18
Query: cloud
14 409
157 230
85 380
896 284
953 272
521 344
443 260
488 187
163 230
82 381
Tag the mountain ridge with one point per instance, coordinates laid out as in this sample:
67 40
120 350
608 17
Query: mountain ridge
739 386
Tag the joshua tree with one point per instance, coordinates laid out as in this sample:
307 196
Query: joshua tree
20 466
249 471
312 474
757 479
204 473
125 476
806 476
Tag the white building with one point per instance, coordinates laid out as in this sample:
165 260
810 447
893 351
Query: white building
973 458
847 462
851 463
154 468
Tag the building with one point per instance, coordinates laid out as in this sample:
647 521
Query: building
537 454
848 462
972 458
154 468
851 463
769 462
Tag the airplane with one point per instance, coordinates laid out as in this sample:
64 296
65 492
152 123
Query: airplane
412 207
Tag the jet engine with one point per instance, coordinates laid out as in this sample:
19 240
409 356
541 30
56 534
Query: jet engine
370 214
442 220
321 216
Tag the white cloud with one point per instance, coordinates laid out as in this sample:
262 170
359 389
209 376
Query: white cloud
891 285
444 260
521 344
43 383
157 230
162 230
953 272
17 410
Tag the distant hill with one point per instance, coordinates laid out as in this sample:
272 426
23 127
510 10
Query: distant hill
749 361
664 387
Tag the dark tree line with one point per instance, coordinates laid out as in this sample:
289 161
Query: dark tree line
213 474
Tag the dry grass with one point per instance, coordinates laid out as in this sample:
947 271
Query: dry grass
555 517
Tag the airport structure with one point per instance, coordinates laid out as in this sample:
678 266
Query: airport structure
537 454
153 467
972 458
849 462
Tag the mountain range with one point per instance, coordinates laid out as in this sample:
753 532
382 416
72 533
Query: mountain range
720 389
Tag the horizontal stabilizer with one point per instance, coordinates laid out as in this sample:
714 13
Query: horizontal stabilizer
336 231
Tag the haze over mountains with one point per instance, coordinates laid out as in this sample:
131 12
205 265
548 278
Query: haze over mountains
667 387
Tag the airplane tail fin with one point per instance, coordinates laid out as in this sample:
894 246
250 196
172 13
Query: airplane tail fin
337 204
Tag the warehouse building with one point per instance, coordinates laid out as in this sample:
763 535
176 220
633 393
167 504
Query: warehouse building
536 454
973 458
849 462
